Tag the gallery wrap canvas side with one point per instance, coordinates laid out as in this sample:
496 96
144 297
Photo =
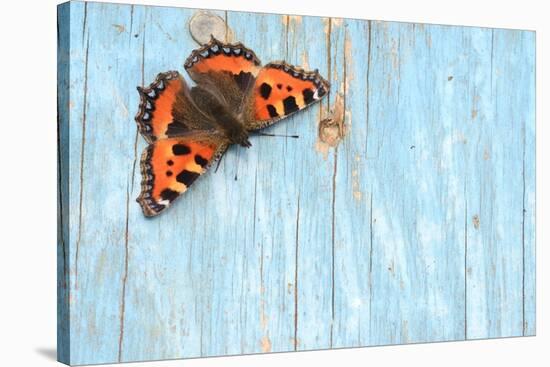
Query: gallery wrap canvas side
236 183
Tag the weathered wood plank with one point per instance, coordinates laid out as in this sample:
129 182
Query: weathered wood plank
496 203
313 225
352 199
417 229
417 226
261 172
169 275
104 142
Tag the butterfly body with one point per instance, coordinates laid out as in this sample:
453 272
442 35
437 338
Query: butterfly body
190 128
222 116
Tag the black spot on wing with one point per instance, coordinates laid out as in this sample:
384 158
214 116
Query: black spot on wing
169 195
200 160
170 162
308 95
290 105
176 128
181 149
265 90
169 173
187 177
244 80
272 110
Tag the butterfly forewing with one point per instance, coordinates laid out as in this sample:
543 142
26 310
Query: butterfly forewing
282 89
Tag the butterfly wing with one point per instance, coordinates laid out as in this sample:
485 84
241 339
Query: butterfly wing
282 89
166 109
170 166
227 70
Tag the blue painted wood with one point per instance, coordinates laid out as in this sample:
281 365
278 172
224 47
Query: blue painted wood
416 225
63 278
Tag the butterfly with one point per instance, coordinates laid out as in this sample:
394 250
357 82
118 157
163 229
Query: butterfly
188 129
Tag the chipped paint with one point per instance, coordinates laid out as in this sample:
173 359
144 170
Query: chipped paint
332 129
266 344
337 22
475 221
119 28
305 61
356 187
296 19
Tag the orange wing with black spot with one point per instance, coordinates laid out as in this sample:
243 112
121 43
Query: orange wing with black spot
166 109
170 166
226 70
282 89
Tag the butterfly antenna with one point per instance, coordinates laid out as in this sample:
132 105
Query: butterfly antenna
279 135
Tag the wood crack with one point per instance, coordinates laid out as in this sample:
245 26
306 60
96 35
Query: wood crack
81 178
465 267
85 22
524 326
296 275
370 262
329 65
60 171
131 25
125 276
137 133
129 190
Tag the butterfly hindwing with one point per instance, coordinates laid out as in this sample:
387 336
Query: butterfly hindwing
282 89
227 70
170 166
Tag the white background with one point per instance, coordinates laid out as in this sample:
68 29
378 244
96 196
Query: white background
28 182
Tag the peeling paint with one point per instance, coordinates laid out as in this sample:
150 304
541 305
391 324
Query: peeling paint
305 61
357 194
475 221
337 22
348 47
263 317
120 28
296 19
327 25
266 344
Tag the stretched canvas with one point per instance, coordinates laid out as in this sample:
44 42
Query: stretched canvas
354 183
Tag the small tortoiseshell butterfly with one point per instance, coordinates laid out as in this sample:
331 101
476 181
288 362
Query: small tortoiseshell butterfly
190 128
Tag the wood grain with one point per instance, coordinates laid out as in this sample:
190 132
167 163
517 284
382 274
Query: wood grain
417 225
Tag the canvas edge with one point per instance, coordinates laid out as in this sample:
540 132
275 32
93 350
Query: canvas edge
63 92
